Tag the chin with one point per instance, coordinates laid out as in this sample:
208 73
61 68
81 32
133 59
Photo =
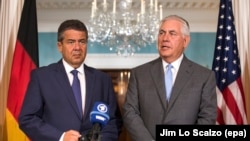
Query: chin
164 53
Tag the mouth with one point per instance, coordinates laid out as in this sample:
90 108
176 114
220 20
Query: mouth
165 47
76 53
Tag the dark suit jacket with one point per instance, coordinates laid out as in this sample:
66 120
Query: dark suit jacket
49 107
193 98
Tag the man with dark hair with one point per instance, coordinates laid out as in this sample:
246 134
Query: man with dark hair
50 110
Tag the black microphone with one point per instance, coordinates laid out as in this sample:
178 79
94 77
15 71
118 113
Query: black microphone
99 117
83 138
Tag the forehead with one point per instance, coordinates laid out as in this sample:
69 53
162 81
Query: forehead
171 24
74 33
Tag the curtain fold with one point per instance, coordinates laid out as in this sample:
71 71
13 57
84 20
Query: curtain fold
241 9
10 13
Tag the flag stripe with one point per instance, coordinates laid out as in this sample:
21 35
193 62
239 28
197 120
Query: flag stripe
224 114
237 90
12 134
229 95
27 33
220 120
226 64
21 67
242 96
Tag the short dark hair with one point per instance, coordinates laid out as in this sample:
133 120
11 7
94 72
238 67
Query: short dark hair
71 24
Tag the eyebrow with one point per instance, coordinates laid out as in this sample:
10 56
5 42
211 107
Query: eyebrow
162 31
172 30
76 39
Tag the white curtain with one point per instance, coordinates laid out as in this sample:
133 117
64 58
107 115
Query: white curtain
242 25
10 13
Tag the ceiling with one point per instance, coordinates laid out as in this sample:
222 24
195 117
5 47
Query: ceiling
201 14
176 4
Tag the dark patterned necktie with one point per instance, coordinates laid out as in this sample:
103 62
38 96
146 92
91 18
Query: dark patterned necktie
77 90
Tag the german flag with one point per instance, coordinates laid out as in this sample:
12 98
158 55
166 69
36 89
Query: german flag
25 59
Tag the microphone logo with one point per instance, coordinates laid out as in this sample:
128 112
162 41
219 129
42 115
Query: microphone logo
102 108
100 114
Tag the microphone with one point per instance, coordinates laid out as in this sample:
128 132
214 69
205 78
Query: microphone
99 117
83 138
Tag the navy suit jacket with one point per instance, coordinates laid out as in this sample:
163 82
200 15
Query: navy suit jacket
49 107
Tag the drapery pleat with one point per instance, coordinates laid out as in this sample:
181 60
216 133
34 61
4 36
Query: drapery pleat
241 9
10 13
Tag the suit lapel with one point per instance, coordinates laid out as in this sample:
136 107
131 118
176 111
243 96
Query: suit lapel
157 74
90 80
63 80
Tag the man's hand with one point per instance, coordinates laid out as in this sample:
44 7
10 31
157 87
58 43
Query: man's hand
71 135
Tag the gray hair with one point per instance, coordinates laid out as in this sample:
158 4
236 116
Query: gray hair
185 25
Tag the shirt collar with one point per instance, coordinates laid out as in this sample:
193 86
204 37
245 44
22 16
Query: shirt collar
176 64
69 68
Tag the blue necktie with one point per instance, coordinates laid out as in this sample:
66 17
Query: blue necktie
168 81
77 90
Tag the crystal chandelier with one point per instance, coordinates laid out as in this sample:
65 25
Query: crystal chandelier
124 30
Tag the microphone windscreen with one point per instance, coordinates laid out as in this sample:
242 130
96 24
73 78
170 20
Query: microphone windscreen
100 114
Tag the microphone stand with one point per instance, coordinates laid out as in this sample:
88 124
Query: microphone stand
83 138
95 133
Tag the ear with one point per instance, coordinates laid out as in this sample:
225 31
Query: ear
59 46
186 41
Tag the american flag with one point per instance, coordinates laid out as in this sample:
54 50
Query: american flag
226 64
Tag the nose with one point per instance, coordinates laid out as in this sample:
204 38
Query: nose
77 45
165 37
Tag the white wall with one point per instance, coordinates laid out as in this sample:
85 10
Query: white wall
201 14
